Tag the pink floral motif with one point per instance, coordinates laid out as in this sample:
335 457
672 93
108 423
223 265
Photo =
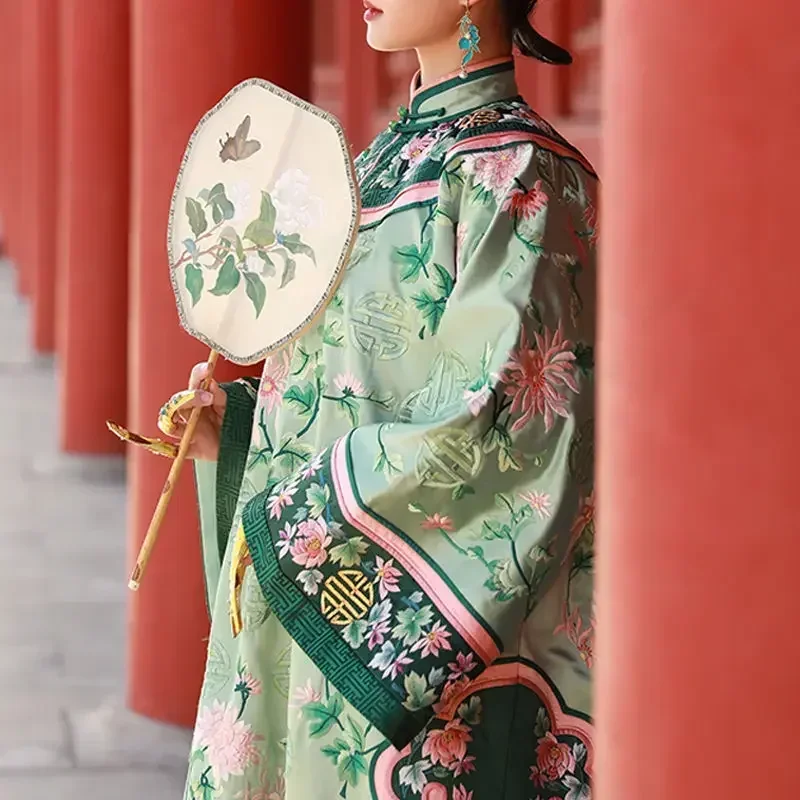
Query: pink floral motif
523 205
477 399
497 170
230 744
252 684
461 238
554 760
463 665
310 547
448 745
280 499
273 379
432 642
303 695
581 638
460 793
463 767
387 577
434 791
437 522
348 384
417 149
286 538
450 698
536 378
539 502
266 789
584 520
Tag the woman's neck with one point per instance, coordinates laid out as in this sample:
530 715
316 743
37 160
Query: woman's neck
442 59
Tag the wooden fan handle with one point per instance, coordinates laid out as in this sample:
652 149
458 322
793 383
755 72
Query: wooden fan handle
169 487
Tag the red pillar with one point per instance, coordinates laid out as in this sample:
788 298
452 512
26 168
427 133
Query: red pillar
39 180
172 89
699 542
93 242
360 71
10 139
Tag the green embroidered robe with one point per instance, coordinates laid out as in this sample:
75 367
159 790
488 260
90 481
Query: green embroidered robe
407 493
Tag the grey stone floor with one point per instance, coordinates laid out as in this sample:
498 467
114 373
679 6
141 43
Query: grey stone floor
64 732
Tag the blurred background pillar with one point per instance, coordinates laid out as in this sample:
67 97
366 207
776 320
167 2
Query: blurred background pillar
93 242
38 170
699 540
11 47
187 54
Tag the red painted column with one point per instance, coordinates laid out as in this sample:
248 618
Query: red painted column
38 194
172 88
93 242
360 71
699 539
10 139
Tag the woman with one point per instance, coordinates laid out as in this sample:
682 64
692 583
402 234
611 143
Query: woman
398 516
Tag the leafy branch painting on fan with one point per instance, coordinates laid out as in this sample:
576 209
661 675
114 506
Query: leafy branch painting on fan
233 251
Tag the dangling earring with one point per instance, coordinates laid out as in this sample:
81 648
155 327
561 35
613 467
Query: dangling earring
469 41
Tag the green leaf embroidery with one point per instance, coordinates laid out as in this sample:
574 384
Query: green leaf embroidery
444 281
302 398
349 554
355 633
228 278
317 498
418 694
321 717
356 733
432 309
256 291
197 217
351 767
194 282
410 624
413 260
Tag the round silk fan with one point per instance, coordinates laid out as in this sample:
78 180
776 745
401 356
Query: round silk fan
262 222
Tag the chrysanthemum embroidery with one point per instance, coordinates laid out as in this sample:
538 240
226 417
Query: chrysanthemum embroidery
229 743
537 378
493 173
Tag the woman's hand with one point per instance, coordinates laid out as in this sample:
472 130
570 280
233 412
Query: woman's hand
175 414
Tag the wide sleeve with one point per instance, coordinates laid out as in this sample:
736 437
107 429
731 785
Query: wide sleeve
404 559
218 482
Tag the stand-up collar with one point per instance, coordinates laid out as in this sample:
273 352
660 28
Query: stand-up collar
486 82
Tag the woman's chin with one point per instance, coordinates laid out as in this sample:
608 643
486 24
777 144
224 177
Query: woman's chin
380 38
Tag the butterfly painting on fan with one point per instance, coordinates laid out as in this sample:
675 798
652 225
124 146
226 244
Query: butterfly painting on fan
238 147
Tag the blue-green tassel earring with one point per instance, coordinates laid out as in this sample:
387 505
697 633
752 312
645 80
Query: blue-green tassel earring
469 41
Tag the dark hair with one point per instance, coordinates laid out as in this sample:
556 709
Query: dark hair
526 38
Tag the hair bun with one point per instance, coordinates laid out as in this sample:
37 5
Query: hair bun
527 39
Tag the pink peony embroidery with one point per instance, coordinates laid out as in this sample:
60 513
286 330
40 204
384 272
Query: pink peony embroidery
387 577
524 205
447 745
554 760
273 379
309 549
496 171
230 744
417 149
536 378
450 698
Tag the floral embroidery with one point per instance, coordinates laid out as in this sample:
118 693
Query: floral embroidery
525 204
494 173
536 378
228 743
539 502
401 637
273 379
417 149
